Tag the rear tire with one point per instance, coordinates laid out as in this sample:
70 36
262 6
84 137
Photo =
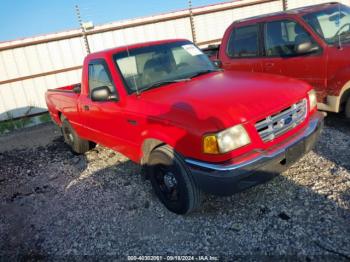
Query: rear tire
71 138
172 182
347 108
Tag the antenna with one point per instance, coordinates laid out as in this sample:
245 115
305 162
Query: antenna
133 77
87 47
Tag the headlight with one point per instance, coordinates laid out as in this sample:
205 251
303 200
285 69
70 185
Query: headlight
225 141
312 99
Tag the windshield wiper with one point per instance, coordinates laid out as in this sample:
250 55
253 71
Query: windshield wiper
161 83
203 72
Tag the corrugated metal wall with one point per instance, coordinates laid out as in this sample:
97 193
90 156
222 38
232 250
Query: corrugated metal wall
30 66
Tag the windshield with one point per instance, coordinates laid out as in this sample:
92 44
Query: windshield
151 66
332 24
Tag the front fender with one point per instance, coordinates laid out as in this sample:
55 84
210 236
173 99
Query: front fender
178 138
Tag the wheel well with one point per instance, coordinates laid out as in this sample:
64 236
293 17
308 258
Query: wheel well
343 96
60 116
148 146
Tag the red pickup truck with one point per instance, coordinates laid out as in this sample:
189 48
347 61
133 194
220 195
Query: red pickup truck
310 43
193 127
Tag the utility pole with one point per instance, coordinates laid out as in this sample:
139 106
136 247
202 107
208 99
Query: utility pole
87 47
285 5
193 30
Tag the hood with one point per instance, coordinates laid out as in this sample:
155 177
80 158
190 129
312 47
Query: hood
229 97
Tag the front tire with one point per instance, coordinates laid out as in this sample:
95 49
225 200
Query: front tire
172 182
77 144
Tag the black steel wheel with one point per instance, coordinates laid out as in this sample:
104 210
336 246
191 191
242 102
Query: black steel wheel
172 182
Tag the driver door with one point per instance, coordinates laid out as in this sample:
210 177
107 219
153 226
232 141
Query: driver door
281 39
105 119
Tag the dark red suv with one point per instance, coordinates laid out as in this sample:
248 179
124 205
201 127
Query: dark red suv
310 43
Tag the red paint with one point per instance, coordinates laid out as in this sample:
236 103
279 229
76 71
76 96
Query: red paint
327 71
179 114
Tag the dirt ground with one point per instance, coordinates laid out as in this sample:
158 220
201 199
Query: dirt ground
54 204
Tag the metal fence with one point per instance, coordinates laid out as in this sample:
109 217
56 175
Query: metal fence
30 66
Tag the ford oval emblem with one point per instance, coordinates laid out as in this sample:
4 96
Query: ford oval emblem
288 120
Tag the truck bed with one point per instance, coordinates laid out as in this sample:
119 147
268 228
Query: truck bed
63 100
67 89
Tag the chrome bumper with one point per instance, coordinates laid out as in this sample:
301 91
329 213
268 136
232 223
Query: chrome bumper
212 177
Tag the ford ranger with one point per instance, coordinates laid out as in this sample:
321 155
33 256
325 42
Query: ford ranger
191 126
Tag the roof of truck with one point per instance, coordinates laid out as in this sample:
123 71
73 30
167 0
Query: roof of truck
297 11
114 50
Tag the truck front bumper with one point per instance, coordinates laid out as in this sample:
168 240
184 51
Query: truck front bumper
221 179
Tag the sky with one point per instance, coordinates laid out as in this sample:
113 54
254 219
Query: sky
24 18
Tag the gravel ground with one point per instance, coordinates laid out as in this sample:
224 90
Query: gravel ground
56 204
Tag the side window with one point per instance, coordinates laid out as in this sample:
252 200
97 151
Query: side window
100 76
283 37
243 42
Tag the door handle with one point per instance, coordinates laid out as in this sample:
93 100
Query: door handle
86 108
269 65
132 122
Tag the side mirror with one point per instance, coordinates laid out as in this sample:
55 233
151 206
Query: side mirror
77 88
103 93
307 48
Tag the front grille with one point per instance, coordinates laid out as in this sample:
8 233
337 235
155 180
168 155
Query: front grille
275 125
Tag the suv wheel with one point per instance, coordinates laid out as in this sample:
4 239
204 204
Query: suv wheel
172 182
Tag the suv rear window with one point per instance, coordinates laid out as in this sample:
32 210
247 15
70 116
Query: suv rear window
244 42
